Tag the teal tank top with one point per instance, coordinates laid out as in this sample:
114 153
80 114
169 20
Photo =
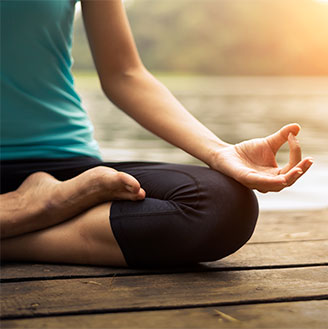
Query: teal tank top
41 113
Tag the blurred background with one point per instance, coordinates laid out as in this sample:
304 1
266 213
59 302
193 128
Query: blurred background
244 68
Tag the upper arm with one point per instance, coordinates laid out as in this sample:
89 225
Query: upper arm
110 38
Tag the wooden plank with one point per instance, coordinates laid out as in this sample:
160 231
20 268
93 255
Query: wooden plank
309 314
294 253
25 271
250 256
161 291
291 226
11 272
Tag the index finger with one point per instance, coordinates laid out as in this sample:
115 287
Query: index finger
295 153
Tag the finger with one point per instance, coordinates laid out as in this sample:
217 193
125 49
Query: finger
295 153
264 183
295 173
280 137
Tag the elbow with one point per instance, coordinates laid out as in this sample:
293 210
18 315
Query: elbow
114 83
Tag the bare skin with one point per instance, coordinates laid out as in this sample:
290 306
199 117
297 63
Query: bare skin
42 201
47 220
84 239
253 162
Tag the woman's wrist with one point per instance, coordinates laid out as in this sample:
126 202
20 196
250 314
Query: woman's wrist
214 153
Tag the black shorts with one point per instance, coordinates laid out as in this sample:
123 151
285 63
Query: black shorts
190 213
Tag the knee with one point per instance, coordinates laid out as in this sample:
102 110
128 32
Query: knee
207 217
230 213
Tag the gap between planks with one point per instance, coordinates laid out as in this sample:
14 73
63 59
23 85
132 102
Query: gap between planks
154 292
301 314
163 272
168 308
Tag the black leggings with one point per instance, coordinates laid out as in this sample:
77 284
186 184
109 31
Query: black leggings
190 213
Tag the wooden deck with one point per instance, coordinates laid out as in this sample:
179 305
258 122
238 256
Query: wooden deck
278 280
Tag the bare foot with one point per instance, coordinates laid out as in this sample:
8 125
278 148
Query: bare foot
43 201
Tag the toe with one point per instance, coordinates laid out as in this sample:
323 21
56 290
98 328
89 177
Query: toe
131 184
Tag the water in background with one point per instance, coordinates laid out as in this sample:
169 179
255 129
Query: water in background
235 108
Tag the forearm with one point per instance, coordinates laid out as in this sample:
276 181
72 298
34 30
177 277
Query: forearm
152 105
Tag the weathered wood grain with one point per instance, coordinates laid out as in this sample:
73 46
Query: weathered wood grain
291 226
309 314
161 291
292 253
10 271
295 253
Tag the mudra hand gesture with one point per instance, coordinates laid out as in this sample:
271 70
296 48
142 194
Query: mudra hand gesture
253 162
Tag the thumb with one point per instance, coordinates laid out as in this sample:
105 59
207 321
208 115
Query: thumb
280 137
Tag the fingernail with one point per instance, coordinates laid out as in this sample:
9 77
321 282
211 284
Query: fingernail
300 172
284 183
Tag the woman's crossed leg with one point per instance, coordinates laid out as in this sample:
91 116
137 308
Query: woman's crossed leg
84 239
191 214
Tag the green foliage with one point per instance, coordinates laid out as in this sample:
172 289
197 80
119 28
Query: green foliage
226 37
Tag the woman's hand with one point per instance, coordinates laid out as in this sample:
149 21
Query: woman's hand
253 163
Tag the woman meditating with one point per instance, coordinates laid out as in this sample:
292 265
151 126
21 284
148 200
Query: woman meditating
60 202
